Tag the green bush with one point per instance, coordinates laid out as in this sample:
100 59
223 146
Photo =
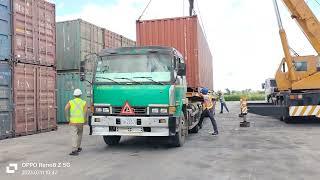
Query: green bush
251 97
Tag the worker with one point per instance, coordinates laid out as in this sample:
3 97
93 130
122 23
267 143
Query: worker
76 113
222 102
208 110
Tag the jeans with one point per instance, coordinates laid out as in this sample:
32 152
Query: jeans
209 113
223 104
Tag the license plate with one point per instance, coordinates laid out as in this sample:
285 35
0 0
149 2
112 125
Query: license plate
128 122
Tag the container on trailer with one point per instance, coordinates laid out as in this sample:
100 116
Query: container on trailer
67 83
76 39
5 100
34 32
25 98
186 35
5 29
46 98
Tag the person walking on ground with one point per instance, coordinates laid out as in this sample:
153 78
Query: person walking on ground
222 102
76 113
208 110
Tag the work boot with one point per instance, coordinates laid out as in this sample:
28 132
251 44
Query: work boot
79 149
74 153
221 112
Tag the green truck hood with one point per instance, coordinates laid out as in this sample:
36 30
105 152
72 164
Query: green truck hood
136 95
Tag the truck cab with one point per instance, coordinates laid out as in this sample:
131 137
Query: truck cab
270 89
139 91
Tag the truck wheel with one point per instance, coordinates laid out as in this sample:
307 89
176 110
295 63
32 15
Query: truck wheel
195 129
180 137
111 140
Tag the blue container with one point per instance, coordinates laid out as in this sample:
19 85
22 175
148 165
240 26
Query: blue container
5 29
5 100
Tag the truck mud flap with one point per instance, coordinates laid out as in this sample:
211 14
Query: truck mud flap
266 109
172 126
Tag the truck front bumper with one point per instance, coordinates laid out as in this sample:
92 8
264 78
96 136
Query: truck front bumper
133 126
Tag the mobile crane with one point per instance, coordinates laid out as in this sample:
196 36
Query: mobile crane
298 77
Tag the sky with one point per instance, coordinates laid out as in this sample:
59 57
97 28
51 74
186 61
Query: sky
242 34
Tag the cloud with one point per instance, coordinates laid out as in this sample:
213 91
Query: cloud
242 34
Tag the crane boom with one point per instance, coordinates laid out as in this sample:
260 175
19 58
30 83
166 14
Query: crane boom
306 19
285 44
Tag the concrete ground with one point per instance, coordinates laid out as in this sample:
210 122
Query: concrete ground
269 149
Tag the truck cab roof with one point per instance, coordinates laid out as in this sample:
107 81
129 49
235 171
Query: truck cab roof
139 50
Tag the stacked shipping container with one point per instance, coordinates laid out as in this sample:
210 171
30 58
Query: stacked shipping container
27 67
75 40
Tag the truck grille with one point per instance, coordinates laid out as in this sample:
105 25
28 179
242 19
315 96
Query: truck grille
137 110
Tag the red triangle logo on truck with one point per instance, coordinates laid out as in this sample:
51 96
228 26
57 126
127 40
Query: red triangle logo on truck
127 109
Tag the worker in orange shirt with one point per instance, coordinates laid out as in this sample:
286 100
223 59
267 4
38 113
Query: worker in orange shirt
208 110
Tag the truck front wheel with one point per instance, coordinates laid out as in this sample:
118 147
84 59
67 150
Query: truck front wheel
111 140
180 137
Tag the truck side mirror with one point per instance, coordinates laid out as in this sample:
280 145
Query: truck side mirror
263 85
181 69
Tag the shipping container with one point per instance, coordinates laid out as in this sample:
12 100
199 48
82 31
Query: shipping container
114 40
25 98
76 39
5 100
67 83
5 29
186 35
46 95
34 32
46 23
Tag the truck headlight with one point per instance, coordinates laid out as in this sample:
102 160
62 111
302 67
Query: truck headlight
106 110
159 110
103 110
98 110
164 111
155 110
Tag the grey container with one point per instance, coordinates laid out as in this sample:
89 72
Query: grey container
67 83
76 39
5 100
5 29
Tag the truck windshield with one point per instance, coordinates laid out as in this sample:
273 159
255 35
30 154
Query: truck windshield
130 68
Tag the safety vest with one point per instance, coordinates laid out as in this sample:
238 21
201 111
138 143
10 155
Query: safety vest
207 104
77 114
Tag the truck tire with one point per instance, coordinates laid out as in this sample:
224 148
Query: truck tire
111 140
180 137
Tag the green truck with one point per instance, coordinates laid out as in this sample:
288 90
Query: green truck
142 91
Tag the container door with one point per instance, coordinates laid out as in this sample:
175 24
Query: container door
46 104
25 98
5 29
5 100
24 31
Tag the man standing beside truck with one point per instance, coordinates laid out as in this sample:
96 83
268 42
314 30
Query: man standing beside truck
76 113
222 102
208 110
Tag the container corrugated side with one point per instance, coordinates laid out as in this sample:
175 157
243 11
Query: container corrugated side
182 33
111 39
46 24
25 98
76 39
5 29
33 32
5 100
46 99
67 83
